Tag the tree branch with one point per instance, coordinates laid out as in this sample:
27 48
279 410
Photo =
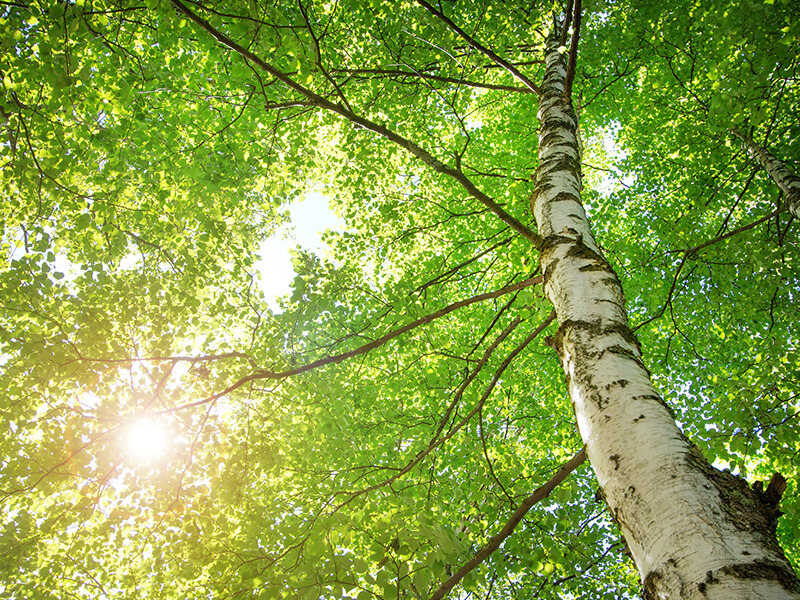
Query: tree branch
567 16
330 360
689 252
423 75
481 48
493 544
573 50
436 441
318 56
443 276
322 102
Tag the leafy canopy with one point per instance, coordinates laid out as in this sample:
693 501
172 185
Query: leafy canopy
365 440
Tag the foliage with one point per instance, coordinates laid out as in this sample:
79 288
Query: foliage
144 163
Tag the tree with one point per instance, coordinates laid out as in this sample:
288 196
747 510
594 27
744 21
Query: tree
787 182
400 427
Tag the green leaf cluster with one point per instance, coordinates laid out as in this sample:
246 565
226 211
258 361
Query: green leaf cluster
143 165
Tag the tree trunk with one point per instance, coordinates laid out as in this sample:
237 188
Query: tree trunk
693 531
787 181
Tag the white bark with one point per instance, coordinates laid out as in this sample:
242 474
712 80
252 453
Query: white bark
780 174
694 532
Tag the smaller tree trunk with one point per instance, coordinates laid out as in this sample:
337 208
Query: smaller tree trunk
788 182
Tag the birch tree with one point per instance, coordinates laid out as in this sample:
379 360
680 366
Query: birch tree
411 420
787 182
668 501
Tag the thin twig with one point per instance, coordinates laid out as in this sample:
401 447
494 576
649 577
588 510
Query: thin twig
432 77
436 441
460 266
318 56
481 48
690 252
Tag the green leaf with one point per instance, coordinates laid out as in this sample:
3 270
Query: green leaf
354 414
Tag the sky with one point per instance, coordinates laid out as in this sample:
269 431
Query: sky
309 219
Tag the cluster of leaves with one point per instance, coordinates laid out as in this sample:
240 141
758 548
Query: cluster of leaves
145 161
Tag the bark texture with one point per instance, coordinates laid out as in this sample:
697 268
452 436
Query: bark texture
780 174
694 532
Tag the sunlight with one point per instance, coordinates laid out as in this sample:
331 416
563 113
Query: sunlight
146 440
309 218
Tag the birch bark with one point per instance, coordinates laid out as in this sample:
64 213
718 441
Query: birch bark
694 532
788 182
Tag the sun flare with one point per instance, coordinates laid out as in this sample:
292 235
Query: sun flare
146 440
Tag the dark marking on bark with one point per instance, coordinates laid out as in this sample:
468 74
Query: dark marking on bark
570 163
655 397
652 583
554 121
620 382
569 231
549 270
626 332
549 91
710 580
599 400
561 162
541 188
566 197
757 570
581 250
578 325
586 268
639 418
624 352
558 122
659 400
546 164
608 301
593 328
553 137
551 241
614 458
598 263
765 569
